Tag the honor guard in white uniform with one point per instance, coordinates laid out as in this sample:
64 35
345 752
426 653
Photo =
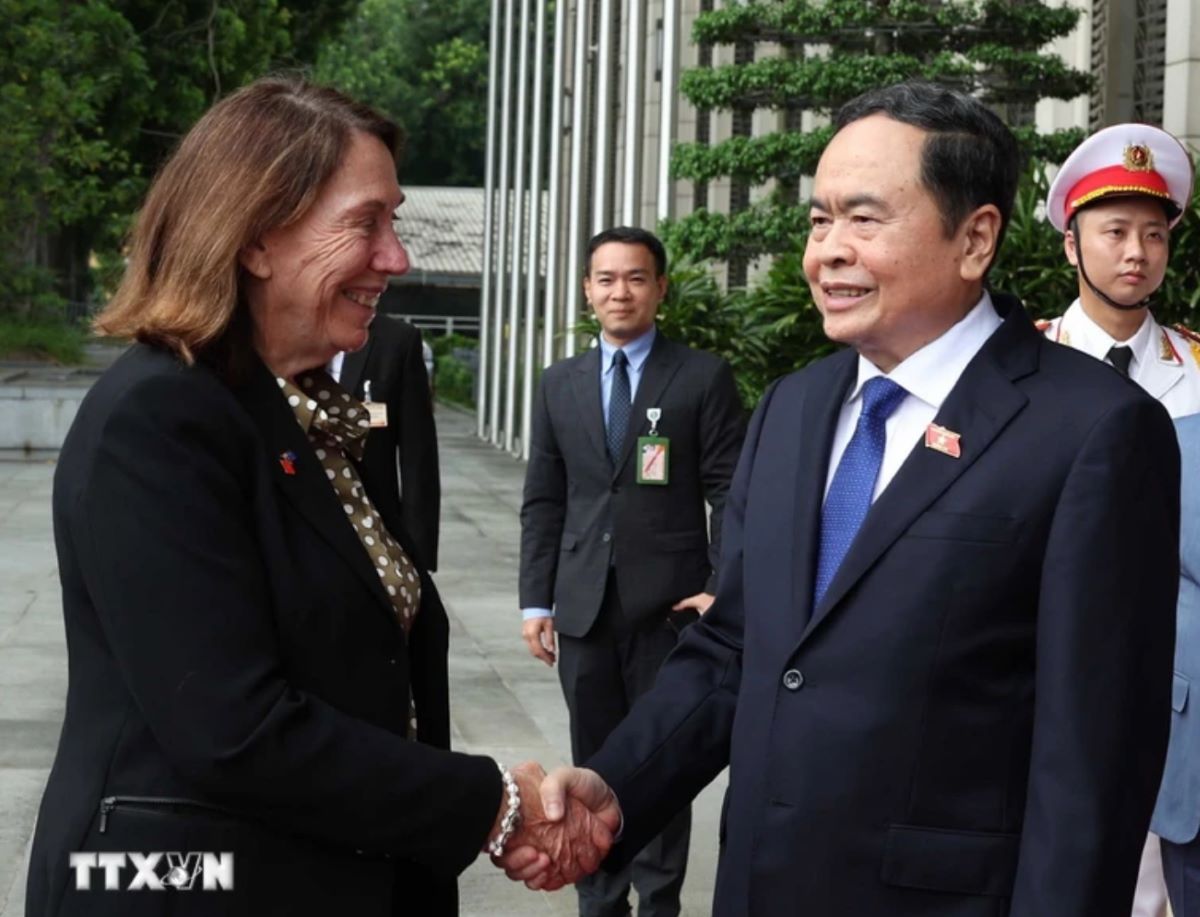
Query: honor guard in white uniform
1115 200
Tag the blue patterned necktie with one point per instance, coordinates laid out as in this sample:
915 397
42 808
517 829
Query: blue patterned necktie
849 495
619 406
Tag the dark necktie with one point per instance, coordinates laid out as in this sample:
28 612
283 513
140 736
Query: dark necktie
619 406
849 495
1120 356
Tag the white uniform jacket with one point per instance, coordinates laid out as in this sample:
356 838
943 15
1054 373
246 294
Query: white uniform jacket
1166 362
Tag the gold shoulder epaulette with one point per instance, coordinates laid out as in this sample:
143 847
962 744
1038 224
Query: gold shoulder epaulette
1192 338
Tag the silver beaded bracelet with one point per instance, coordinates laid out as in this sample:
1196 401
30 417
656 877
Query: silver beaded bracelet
512 814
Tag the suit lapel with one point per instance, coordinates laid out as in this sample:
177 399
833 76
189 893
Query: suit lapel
585 385
353 366
307 489
979 406
661 364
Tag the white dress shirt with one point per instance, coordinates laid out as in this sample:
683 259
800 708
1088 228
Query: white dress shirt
928 376
335 366
636 352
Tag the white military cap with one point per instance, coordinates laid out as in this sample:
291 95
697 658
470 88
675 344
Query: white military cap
1119 161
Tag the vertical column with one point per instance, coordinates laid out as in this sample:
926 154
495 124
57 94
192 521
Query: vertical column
555 203
602 141
668 107
502 260
533 255
1114 23
575 216
520 203
635 81
1181 78
482 388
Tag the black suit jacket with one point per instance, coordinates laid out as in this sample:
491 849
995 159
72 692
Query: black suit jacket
972 721
400 463
579 511
238 680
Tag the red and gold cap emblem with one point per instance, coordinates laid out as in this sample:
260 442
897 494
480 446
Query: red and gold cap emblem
1138 158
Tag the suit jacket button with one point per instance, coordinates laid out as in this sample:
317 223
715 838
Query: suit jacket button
793 680
606 537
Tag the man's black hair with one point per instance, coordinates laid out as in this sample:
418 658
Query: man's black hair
629 235
970 157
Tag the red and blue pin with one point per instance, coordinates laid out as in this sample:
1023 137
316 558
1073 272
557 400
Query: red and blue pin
287 461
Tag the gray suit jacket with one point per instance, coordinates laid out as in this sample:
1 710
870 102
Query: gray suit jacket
1177 814
580 512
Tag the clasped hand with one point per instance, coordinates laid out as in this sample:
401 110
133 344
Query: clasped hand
568 821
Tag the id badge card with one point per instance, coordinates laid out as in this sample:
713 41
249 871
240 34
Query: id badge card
377 412
654 460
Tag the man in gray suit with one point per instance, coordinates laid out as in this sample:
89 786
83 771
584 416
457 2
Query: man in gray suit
630 439
1177 814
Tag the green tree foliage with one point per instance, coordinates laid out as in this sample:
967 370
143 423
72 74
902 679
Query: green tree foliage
64 70
837 49
765 332
425 64
93 94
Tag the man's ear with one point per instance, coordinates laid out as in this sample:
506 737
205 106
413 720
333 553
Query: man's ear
254 259
981 234
1070 247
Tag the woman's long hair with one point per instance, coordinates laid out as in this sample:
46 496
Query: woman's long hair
255 161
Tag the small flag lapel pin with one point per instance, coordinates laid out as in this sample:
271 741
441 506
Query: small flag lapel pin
287 461
942 440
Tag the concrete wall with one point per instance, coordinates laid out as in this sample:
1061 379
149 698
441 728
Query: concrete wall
35 417
1181 79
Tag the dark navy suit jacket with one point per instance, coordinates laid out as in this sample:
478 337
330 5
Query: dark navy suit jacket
948 733
581 516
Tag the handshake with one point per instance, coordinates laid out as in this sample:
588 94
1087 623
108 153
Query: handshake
567 824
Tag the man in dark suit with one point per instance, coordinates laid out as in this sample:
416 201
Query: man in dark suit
400 461
630 439
948 579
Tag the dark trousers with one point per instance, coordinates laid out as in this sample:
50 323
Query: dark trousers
602 674
1181 869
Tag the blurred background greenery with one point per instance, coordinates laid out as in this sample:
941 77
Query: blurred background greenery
94 94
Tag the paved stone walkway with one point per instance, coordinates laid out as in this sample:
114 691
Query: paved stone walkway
504 702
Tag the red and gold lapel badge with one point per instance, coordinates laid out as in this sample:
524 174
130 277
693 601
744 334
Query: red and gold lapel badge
939 439
287 461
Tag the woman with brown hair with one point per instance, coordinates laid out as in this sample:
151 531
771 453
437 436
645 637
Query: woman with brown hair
257 718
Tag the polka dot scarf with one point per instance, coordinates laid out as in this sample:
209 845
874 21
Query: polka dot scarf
337 427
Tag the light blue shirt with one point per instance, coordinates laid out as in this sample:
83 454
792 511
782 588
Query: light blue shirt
636 352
